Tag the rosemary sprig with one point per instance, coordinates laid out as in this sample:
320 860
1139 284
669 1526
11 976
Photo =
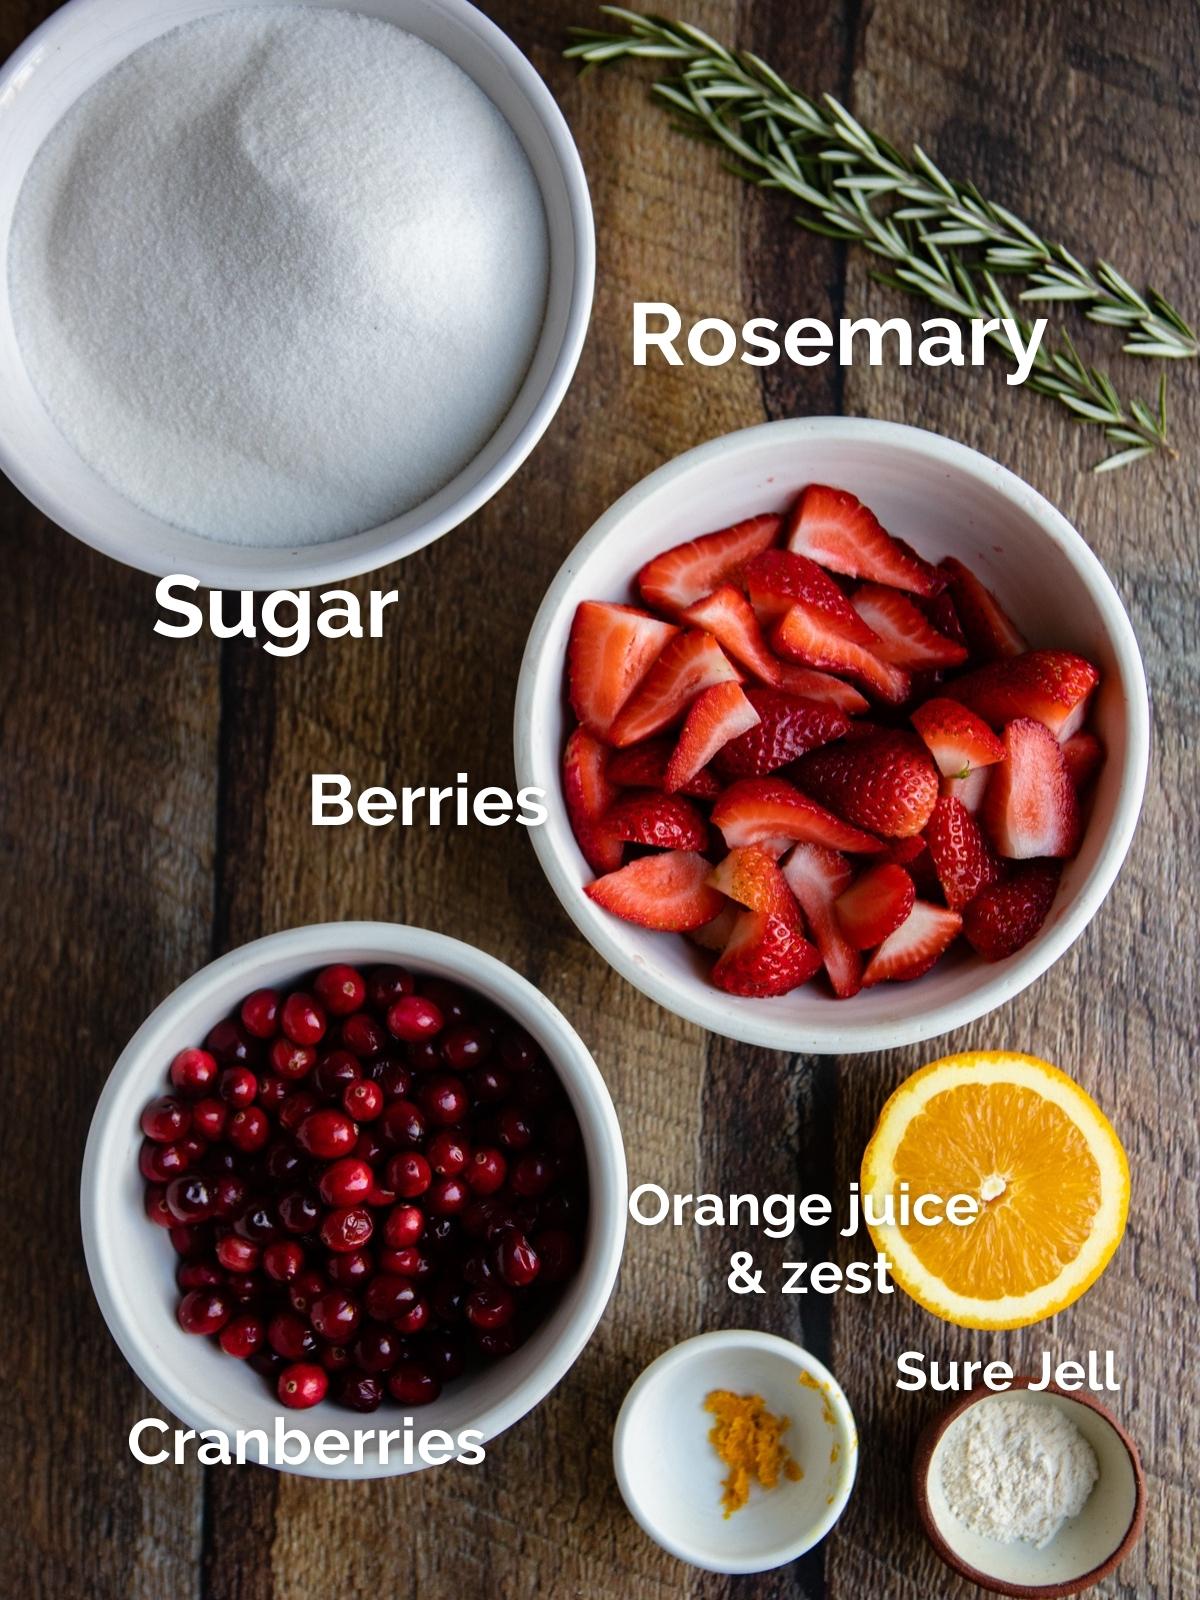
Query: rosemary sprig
942 240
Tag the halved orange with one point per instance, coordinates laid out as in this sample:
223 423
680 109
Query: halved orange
1039 1155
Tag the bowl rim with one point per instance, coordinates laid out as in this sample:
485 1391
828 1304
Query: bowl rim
923 1459
313 944
734 1339
698 1002
306 566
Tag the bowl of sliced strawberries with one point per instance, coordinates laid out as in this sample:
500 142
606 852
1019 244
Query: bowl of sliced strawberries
845 733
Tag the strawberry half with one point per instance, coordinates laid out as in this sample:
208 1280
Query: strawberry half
817 876
772 813
957 739
785 728
875 905
667 892
961 855
885 782
1051 686
715 935
837 531
969 791
610 650
943 615
1031 808
687 572
751 877
1008 914
589 793
807 636
903 634
808 684
987 628
921 938
662 821
644 766
766 955
717 715
729 617
1084 755
779 579
691 661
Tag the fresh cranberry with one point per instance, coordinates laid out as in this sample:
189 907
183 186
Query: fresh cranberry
334 1317
447 1196
238 1087
238 1255
395 1080
454 1003
166 1119
424 1055
557 1252
403 1123
228 1195
446 1297
302 1384
359 1391
299 1104
299 1211
491 1085
403 1226
351 1269
156 1206
531 1175
327 1134
335 1357
190 1198
290 1336
285 1162
442 1232
494 1343
260 1013
335 1072
193 1072
562 1133
517 1050
407 1263
362 1100
465 1047
248 1129
258 1222
386 985
265 1362
377 1348
445 1355
283 1260
536 1088
514 1129
272 1091
243 1336
415 1318
346 1182
363 1036
192 1149
199 1275
232 1045
478 1270
409 1174
444 1099
159 1163
448 1153
518 1261
292 1061
340 989
303 1019
486 1171
190 1240
203 1311
309 1286
414 1017
209 1117
246 1287
346 1229
413 1384
387 1297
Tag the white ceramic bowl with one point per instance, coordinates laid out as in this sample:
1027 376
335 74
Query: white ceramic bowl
131 1262
945 499
78 45
670 1475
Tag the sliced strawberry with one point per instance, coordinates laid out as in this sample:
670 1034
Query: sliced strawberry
729 617
644 766
687 572
816 876
958 740
766 955
666 891
715 935
610 650
1031 808
913 855
1051 686
751 877
663 821
1007 914
826 690
1084 755
768 811
875 905
589 793
903 634
969 791
917 943
786 728
961 855
837 531
886 782
779 579
989 631
806 636
902 851
943 614
690 662
717 715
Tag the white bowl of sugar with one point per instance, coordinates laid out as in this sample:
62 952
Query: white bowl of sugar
289 290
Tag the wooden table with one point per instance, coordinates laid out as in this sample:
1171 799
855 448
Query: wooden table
155 813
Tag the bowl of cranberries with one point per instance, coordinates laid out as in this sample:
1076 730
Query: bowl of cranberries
349 1169
844 730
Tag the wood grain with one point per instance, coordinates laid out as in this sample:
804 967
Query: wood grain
154 810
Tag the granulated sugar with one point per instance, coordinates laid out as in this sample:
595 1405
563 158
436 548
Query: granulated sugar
278 276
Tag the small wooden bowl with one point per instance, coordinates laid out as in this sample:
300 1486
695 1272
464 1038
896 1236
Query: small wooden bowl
1085 1550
